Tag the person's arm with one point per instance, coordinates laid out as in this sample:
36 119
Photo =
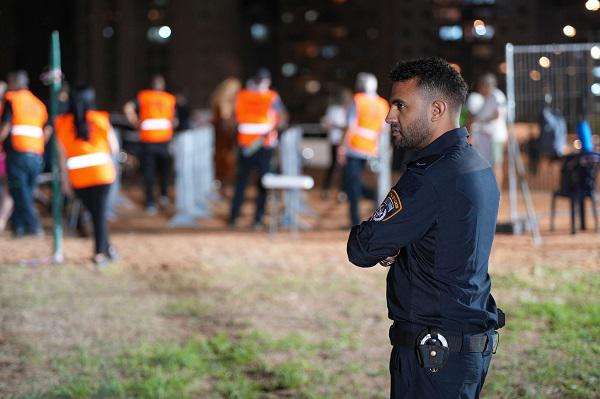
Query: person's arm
65 184
282 114
113 142
350 120
130 112
406 214
5 120
47 132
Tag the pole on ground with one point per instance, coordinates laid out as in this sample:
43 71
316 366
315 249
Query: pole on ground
55 84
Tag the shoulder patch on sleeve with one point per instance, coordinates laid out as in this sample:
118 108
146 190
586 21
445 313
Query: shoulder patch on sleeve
390 206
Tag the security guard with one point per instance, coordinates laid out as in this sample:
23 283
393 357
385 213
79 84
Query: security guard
435 229
24 133
259 112
87 143
361 141
153 112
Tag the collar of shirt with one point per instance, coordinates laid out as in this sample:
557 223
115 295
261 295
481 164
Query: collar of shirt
439 145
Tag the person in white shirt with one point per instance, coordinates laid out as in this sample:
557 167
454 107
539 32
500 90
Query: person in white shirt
489 133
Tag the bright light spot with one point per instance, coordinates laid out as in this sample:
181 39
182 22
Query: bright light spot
544 62
596 71
478 23
577 144
108 32
308 153
569 31
595 52
595 89
311 15
480 30
456 67
502 68
535 75
287 17
288 69
451 33
592 5
164 32
259 32
312 86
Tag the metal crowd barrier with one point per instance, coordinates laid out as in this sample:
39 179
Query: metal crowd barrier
194 175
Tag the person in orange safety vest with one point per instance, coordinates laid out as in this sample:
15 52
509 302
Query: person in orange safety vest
259 112
23 132
87 143
153 112
366 122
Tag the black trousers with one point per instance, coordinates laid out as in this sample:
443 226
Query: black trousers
95 199
155 157
462 377
261 162
333 166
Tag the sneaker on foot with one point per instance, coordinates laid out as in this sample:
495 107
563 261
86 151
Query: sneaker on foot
163 201
101 260
151 210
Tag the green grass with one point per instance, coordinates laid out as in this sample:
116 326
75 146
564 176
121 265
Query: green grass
229 367
551 344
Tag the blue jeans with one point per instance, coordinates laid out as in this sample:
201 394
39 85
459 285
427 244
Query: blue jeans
354 187
22 170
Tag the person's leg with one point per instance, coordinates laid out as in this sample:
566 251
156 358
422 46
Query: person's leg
94 199
243 172
16 187
352 186
331 169
34 167
402 364
264 156
163 161
6 204
149 170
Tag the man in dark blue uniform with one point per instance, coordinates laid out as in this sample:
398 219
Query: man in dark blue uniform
435 229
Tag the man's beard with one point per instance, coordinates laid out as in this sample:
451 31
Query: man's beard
413 136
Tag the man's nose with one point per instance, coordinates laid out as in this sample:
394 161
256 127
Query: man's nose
391 117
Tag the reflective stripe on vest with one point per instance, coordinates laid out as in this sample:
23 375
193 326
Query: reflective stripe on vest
87 160
27 131
366 133
255 128
156 124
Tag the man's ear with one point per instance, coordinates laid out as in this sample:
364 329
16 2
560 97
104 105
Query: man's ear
438 109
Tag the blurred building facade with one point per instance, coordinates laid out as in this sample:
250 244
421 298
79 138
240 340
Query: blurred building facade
311 46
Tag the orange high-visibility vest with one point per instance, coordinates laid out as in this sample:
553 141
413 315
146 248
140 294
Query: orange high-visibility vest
362 136
156 113
28 120
89 163
256 118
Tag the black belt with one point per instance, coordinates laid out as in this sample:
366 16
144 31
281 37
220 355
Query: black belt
400 336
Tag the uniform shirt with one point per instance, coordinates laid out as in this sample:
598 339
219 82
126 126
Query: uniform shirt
440 219
7 116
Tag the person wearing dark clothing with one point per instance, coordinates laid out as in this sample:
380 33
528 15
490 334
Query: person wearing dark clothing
435 231
87 142
259 112
154 113
24 132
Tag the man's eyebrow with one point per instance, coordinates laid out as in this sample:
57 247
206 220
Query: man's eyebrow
397 101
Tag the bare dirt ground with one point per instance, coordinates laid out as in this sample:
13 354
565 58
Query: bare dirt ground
244 280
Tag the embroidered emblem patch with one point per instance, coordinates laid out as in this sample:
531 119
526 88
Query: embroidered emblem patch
390 206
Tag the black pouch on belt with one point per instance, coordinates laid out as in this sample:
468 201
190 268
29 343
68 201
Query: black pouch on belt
432 350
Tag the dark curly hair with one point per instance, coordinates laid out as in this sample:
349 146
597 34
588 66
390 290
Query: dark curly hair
436 76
